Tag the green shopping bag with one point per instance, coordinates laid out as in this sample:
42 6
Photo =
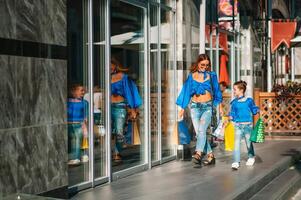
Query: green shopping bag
257 134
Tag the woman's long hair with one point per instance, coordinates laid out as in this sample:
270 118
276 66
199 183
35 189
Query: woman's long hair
119 67
201 57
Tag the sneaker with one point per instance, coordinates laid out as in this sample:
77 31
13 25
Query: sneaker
235 166
74 162
250 162
85 158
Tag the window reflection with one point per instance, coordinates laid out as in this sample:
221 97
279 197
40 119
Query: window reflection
127 72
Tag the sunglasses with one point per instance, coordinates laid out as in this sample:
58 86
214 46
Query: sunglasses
207 65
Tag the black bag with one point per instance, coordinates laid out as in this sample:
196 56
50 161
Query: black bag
213 117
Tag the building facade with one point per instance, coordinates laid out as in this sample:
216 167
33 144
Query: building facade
49 49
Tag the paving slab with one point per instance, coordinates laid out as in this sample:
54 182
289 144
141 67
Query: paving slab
179 180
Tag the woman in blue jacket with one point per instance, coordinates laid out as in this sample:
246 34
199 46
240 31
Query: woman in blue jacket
202 89
124 95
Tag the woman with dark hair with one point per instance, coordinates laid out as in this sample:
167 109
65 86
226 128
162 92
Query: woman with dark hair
125 96
202 88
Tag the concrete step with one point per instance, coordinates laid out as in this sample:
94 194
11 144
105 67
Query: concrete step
280 181
282 187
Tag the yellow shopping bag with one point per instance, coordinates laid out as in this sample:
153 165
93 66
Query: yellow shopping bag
85 144
229 137
136 135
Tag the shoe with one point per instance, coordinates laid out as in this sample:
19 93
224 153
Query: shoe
250 162
117 157
74 162
235 166
197 158
85 158
210 160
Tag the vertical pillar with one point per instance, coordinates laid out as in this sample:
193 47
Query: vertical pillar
202 26
238 49
232 64
269 67
217 67
293 64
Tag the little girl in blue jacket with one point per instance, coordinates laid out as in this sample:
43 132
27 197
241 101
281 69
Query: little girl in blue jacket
241 114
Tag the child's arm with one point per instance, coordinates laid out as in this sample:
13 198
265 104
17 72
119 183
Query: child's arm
254 109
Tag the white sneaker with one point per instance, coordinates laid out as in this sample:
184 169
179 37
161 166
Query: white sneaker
74 162
235 165
250 162
85 158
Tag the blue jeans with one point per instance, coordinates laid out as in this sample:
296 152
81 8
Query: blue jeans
201 117
75 135
242 131
118 123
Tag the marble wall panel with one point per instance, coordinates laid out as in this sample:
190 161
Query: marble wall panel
34 20
57 156
32 94
56 71
7 18
32 160
8 92
8 164
55 22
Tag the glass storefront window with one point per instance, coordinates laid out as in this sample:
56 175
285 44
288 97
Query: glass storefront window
168 2
77 105
99 89
127 69
167 82
154 80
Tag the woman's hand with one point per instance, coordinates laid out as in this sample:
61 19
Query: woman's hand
133 113
221 111
181 113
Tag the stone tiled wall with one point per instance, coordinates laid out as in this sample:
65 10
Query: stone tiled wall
33 135
34 20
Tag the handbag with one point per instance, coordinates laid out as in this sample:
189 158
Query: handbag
85 144
136 135
213 116
257 134
219 132
229 136
184 134
175 135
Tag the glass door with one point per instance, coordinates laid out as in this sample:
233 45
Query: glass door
168 96
99 88
155 87
79 158
128 71
86 103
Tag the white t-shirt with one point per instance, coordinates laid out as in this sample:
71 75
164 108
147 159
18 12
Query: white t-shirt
98 98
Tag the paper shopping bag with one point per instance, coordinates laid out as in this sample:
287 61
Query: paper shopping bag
229 136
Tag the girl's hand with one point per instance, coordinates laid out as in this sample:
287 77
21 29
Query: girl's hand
181 113
85 130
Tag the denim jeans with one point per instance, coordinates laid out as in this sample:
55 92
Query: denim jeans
242 131
75 135
118 123
201 118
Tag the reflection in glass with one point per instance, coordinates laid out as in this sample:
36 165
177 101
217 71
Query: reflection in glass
127 68
99 89
77 106
154 83
167 83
